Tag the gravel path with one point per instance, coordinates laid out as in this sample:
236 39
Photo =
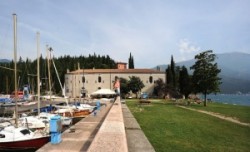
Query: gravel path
231 119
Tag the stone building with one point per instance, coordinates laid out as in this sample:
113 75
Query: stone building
86 81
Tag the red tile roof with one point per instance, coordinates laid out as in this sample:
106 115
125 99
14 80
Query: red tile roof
91 71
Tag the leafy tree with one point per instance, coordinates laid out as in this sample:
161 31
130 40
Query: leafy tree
205 77
159 89
124 87
135 84
184 82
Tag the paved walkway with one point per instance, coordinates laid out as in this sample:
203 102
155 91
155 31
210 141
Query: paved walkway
81 138
219 116
137 141
113 129
111 137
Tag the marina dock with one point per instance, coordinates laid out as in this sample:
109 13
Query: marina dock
113 128
43 103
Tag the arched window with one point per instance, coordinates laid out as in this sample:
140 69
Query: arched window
150 79
83 79
99 79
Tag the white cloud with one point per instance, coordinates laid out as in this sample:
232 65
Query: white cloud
187 49
185 46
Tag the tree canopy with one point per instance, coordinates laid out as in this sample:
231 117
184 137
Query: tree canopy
159 88
135 84
28 69
205 76
124 87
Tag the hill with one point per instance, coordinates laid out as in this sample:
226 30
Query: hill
235 71
4 61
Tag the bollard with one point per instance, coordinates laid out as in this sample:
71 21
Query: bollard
55 129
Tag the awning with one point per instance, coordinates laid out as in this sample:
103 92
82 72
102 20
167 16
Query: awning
104 92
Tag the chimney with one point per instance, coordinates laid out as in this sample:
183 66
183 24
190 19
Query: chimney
121 65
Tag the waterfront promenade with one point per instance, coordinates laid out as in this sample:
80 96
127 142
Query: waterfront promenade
112 129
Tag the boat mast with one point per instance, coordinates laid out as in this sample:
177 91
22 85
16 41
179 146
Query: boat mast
48 60
15 68
38 72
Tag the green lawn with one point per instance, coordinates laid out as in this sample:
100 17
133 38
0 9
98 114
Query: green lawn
242 113
170 128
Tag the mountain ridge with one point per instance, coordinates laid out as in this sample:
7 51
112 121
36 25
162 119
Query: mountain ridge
4 61
235 71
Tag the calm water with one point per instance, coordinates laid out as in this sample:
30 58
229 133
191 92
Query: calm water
230 99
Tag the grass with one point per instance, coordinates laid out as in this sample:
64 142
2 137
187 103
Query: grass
242 113
170 128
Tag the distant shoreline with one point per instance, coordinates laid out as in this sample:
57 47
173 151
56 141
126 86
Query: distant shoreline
234 99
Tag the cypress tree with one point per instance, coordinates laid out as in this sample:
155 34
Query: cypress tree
131 62
185 82
172 66
169 77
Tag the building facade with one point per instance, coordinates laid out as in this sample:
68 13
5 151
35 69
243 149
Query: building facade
87 81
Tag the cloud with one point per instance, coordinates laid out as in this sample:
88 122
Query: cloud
187 49
185 46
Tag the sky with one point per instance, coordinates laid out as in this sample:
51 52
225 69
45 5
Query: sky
152 30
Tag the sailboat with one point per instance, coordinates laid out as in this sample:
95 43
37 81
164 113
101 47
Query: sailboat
67 111
15 137
41 121
21 138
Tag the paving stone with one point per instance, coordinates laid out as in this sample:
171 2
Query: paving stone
113 129
138 142
111 137
110 143
131 123
127 115
80 139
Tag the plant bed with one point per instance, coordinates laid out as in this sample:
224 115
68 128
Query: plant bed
144 101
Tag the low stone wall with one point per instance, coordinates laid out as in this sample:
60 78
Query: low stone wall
111 135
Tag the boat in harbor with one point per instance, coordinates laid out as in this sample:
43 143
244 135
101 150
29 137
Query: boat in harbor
46 117
23 94
20 138
74 110
33 122
5 98
85 107
74 113
23 98
15 137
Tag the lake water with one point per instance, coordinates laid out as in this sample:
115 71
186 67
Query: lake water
230 98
